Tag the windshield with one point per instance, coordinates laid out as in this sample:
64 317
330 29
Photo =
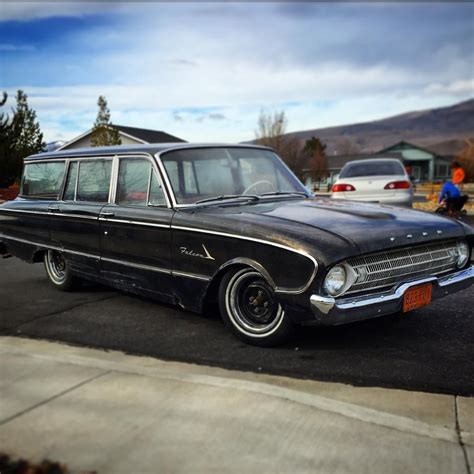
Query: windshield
203 173
372 168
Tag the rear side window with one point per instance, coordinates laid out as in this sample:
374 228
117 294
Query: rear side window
43 180
94 180
137 184
372 168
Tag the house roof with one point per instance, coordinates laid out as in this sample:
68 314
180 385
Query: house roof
149 136
403 144
142 135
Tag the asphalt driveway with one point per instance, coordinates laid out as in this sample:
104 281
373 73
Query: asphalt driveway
430 349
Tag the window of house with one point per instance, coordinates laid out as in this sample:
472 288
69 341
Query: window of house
94 180
43 180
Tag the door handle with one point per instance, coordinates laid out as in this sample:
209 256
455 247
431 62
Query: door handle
53 209
107 214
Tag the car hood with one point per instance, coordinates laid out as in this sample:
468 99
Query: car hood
368 227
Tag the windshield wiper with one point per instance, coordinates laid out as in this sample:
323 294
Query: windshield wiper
226 197
283 193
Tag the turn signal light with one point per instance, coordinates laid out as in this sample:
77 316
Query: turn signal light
338 188
398 185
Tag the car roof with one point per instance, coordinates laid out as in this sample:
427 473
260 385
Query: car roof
151 149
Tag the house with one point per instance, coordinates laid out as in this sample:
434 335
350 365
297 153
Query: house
335 164
128 135
421 163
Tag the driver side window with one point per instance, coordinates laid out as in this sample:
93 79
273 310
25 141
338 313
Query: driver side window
137 184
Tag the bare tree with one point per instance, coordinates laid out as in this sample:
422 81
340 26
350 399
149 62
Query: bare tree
271 128
271 132
466 160
347 147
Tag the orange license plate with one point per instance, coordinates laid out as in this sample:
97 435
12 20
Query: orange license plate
417 297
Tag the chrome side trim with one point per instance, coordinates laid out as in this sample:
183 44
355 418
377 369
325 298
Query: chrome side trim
31 242
111 260
136 265
49 160
265 242
82 254
123 221
85 156
21 210
78 216
191 275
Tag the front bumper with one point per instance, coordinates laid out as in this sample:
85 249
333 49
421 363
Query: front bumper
329 311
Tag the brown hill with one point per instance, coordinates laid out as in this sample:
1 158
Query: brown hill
442 129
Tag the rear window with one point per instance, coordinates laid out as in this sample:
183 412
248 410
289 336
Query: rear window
93 182
372 168
43 180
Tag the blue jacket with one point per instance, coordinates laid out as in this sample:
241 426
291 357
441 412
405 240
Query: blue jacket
449 191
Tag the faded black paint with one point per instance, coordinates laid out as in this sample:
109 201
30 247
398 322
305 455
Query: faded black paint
326 230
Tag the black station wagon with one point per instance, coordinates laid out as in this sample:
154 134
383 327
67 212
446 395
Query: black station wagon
199 224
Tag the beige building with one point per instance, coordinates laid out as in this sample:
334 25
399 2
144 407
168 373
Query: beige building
128 135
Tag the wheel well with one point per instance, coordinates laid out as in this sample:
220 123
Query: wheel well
212 292
38 256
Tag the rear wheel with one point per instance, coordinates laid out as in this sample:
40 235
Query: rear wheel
249 308
58 270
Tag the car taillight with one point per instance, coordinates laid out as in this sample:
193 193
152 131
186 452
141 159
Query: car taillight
398 185
338 188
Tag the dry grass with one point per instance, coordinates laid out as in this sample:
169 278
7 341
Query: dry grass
431 205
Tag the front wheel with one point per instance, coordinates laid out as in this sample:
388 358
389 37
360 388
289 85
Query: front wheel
58 270
250 309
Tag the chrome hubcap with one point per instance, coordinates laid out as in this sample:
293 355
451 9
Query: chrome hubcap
56 266
251 304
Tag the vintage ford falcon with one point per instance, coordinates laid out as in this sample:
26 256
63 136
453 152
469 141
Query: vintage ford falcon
200 224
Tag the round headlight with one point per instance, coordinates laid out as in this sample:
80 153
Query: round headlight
463 253
335 280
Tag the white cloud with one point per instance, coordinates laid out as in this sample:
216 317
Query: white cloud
25 11
161 60
455 88
12 48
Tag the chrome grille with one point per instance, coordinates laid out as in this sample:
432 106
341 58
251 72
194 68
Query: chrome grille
388 268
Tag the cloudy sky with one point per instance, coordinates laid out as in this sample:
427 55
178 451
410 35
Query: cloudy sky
203 71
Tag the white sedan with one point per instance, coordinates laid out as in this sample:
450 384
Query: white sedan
378 180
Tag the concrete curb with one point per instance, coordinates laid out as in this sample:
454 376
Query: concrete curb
115 391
